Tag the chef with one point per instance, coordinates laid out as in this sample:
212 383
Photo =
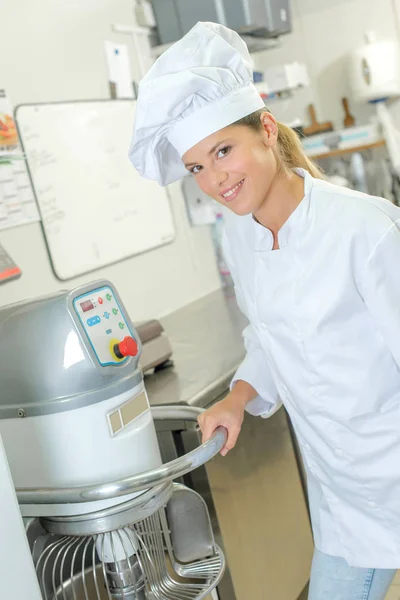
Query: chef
316 269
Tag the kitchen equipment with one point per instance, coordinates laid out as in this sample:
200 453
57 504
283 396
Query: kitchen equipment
374 70
100 509
352 139
156 348
283 77
261 18
349 120
17 561
315 126
8 269
374 77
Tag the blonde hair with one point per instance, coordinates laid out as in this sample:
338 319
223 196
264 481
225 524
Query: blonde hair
289 150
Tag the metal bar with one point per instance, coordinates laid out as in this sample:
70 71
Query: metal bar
84 568
176 412
94 567
103 564
45 556
68 547
136 483
73 570
111 534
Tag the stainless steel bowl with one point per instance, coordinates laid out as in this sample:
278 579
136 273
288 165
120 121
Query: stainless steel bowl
77 585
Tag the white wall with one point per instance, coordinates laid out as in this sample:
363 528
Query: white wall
53 50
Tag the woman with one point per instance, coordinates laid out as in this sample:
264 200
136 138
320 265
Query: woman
316 272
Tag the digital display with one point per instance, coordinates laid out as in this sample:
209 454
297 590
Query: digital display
87 305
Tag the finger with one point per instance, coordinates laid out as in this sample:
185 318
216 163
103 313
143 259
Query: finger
208 429
202 421
233 434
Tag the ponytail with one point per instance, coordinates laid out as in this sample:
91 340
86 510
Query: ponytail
289 150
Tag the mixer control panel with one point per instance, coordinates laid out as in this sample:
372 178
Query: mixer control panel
106 327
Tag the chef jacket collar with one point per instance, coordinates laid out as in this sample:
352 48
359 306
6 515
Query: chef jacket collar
291 231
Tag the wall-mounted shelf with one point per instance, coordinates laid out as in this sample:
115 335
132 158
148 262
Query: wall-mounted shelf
344 141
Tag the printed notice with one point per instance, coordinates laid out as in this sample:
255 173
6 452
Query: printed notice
17 201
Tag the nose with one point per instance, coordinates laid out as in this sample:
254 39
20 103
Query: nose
218 176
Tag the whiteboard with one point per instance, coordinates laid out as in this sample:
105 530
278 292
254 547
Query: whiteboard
95 208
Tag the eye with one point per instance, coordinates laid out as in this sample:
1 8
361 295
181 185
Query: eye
196 169
223 151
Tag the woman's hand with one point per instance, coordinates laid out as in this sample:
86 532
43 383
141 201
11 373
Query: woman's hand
228 413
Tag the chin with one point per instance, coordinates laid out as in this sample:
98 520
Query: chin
242 207
241 211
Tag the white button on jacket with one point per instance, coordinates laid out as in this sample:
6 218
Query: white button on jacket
330 297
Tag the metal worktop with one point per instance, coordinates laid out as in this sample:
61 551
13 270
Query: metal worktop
207 344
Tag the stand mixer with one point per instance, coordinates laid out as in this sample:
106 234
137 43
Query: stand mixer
102 516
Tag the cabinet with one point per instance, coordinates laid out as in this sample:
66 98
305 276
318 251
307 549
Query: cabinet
259 18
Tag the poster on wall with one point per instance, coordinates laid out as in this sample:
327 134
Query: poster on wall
17 201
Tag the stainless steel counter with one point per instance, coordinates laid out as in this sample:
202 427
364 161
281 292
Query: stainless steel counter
207 344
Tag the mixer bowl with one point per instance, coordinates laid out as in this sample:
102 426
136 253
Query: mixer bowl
77 585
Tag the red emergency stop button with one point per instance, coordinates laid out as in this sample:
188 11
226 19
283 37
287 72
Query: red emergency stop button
128 347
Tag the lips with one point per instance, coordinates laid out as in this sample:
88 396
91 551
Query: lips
230 193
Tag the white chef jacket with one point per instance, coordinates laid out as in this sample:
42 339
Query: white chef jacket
324 339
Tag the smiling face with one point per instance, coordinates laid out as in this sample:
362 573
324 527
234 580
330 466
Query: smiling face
237 165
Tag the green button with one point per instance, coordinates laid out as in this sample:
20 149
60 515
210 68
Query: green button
109 297
121 325
114 311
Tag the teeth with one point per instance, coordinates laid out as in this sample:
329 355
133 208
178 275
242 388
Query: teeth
232 190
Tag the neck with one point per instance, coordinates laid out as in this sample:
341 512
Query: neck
283 197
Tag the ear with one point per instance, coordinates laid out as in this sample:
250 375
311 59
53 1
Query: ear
270 128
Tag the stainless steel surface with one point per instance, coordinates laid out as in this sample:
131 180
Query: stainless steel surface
128 485
206 338
84 586
203 575
176 413
113 517
191 534
125 579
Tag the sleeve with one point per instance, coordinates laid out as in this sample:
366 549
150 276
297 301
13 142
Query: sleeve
254 368
381 288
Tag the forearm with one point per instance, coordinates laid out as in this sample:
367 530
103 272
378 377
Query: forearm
242 393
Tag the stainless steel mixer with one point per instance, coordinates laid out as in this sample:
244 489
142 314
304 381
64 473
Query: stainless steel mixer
102 515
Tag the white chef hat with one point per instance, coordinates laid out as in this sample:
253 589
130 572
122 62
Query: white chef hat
201 84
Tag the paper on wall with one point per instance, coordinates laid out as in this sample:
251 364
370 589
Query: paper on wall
119 70
17 201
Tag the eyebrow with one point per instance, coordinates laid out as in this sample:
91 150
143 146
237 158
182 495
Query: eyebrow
209 152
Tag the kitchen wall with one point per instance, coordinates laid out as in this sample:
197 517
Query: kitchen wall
53 50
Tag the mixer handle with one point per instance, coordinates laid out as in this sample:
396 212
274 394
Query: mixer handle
142 481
